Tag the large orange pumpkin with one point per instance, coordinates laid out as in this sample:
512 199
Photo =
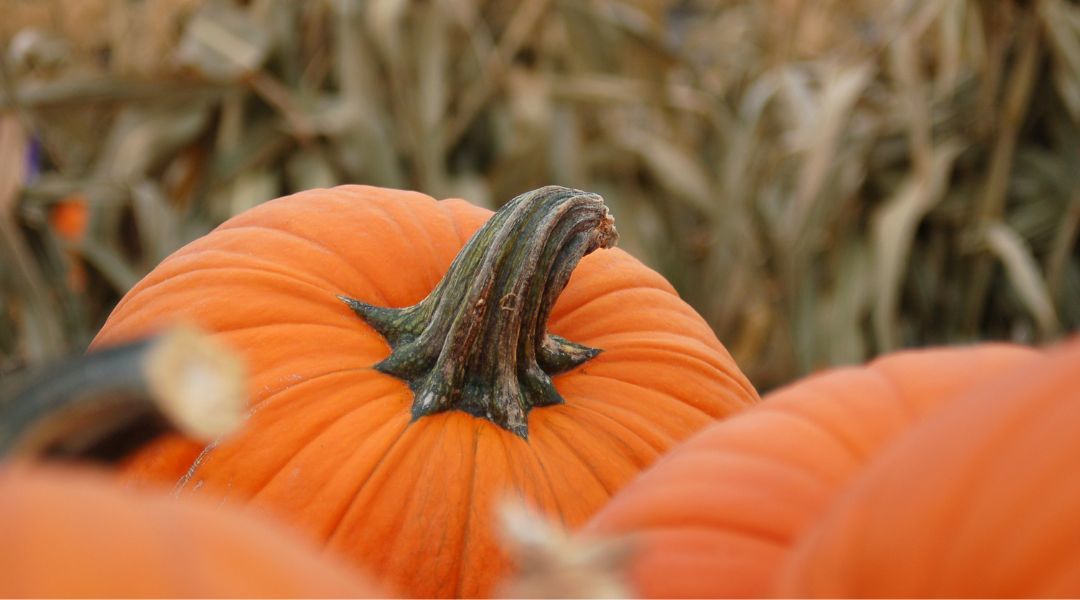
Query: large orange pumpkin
717 516
77 534
396 459
980 500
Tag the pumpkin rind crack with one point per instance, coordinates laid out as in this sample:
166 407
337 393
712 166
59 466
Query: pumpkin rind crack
478 342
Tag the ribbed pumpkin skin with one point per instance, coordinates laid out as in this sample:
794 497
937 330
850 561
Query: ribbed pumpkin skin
329 445
980 500
716 516
73 534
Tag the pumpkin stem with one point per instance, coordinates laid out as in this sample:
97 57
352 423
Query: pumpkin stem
106 404
479 342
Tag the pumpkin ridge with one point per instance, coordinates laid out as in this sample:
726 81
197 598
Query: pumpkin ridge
272 473
557 321
670 339
444 209
200 254
553 490
269 265
587 406
628 457
433 275
414 217
148 281
669 348
572 450
329 251
433 440
262 402
327 431
912 412
848 446
696 351
181 280
351 506
657 393
759 534
467 505
615 423
291 324
735 523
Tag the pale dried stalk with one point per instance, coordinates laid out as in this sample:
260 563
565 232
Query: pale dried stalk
552 564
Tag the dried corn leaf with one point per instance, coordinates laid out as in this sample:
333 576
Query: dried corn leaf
847 305
252 188
1061 21
39 326
223 42
110 262
309 169
1023 273
821 135
363 138
771 159
157 223
680 174
893 234
142 138
14 149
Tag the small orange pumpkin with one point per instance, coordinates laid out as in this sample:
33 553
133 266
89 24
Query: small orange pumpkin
979 500
716 517
393 406
71 533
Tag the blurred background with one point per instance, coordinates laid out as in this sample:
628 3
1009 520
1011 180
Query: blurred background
823 180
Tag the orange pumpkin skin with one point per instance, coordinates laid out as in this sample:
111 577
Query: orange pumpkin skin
77 534
329 446
716 516
980 500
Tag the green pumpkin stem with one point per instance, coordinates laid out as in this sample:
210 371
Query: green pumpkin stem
107 404
479 342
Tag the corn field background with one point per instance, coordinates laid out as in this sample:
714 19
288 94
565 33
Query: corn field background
823 180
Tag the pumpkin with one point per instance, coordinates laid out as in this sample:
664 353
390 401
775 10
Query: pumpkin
72 533
69 219
980 500
717 516
392 407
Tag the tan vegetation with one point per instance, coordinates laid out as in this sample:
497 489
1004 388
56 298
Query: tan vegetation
823 180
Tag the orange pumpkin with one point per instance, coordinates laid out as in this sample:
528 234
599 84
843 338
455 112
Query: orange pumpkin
980 500
397 458
77 534
70 219
717 516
